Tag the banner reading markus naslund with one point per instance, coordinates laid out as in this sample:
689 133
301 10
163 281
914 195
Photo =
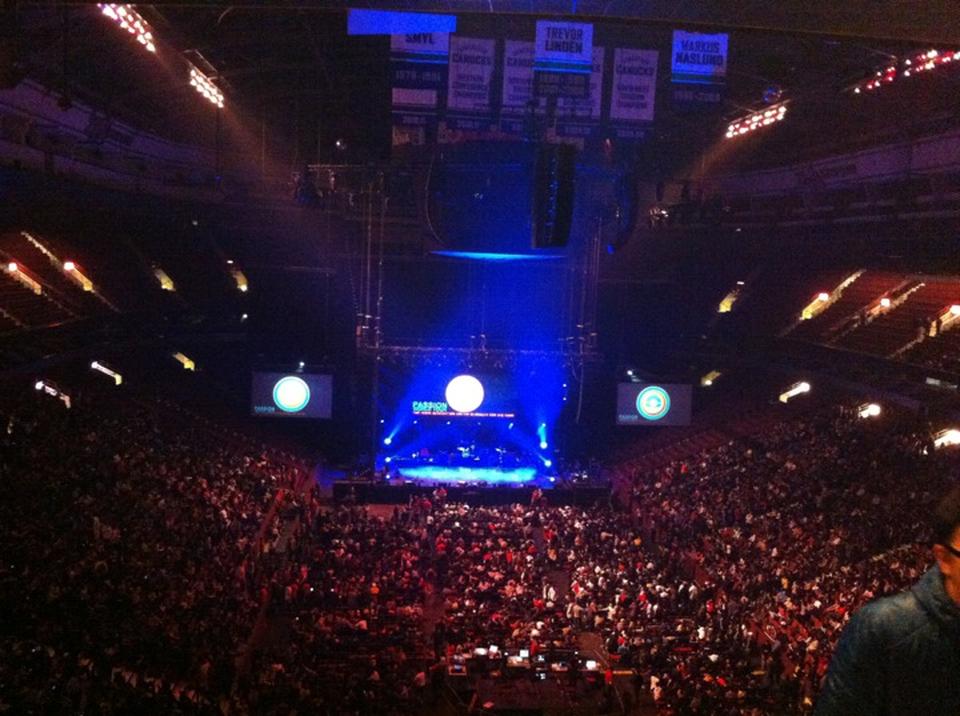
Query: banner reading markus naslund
468 87
634 91
418 69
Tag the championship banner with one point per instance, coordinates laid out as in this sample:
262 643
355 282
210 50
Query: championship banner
578 117
517 88
563 58
470 74
699 58
418 71
634 90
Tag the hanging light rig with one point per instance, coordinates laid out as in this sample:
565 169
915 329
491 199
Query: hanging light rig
205 86
756 120
131 21
920 63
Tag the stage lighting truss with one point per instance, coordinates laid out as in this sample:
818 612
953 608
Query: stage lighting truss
204 85
920 63
131 21
756 120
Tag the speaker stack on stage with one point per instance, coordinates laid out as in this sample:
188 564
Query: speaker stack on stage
553 189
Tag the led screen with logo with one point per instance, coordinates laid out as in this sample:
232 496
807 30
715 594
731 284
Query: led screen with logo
653 404
450 395
291 395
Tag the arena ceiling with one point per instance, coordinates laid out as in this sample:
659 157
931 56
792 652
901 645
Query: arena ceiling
296 74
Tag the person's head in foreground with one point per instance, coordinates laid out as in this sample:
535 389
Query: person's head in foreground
901 654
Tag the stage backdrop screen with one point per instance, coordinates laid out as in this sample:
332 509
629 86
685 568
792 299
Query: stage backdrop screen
291 395
453 394
653 404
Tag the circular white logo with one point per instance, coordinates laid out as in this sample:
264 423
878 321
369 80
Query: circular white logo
291 394
464 394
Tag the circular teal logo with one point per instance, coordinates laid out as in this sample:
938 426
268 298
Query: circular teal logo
291 394
653 403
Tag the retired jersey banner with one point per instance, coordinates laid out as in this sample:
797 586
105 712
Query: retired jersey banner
418 68
470 74
418 73
699 58
579 117
634 85
563 57
564 46
588 107
517 88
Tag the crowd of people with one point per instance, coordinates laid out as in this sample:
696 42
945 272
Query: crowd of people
131 541
145 570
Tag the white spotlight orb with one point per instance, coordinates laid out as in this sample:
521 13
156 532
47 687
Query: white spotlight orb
464 394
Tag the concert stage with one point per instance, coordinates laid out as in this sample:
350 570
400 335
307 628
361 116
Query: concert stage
459 474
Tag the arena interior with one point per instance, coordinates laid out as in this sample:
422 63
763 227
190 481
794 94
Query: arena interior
468 357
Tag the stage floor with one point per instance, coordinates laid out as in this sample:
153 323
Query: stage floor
465 474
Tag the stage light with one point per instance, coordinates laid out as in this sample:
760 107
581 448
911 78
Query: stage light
53 390
387 441
14 269
77 276
131 21
955 309
548 463
794 390
921 62
187 363
885 302
300 365
205 86
166 283
107 371
868 410
823 296
707 380
388 460
946 438
244 317
464 394
543 445
756 120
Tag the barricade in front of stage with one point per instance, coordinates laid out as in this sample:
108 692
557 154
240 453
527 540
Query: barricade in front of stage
381 493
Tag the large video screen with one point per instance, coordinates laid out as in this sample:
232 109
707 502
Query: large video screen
653 404
291 395
464 395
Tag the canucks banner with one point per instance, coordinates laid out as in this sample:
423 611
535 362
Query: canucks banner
418 69
517 88
634 91
469 84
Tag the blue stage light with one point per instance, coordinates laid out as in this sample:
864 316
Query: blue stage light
387 460
387 440
543 445
489 256
548 463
